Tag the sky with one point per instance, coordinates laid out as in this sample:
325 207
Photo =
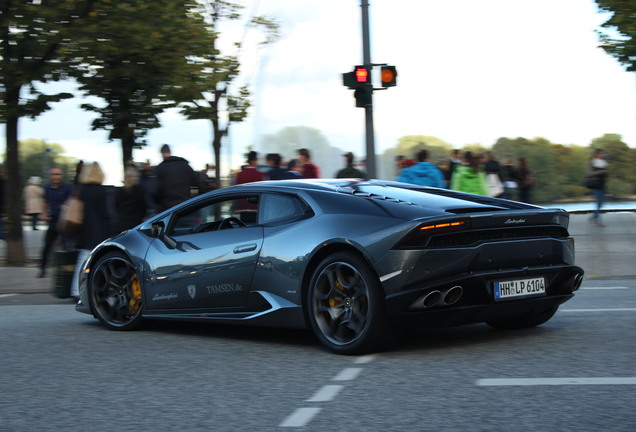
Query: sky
468 72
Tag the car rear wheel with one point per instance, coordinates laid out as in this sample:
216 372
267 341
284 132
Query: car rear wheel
346 308
524 321
114 292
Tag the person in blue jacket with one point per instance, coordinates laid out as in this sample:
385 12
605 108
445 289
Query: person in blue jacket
423 173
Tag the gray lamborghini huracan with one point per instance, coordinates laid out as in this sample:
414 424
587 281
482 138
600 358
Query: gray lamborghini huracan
351 260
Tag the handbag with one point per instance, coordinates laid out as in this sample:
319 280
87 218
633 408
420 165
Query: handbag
591 180
71 215
591 183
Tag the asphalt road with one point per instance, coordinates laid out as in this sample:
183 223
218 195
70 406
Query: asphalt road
60 370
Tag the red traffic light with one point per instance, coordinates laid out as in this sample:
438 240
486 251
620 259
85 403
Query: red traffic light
359 77
362 75
388 76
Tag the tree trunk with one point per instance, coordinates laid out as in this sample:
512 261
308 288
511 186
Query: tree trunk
217 134
15 244
127 145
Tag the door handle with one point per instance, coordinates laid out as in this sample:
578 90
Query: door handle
245 248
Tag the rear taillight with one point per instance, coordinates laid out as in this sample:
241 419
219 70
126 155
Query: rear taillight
419 237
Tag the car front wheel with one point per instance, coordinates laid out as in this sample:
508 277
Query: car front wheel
114 292
346 307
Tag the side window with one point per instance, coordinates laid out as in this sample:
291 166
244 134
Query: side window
234 212
280 208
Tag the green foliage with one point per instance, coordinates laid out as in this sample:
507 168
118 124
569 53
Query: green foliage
207 92
32 38
410 145
559 169
618 37
134 55
37 157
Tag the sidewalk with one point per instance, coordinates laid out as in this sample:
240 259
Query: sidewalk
603 252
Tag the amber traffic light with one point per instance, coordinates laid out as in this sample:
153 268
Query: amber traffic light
388 76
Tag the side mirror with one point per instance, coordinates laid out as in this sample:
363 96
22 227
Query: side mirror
157 229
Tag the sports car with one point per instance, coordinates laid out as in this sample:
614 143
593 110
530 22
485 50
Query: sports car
351 260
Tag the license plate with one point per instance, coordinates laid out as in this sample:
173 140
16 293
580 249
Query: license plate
519 288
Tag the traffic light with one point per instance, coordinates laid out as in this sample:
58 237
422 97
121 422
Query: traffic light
364 96
388 76
360 81
360 76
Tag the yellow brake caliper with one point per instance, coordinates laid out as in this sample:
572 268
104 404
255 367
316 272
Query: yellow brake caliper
333 302
135 288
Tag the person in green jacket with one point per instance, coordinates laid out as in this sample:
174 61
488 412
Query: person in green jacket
470 177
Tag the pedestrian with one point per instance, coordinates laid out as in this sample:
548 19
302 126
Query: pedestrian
493 175
96 223
55 194
423 173
350 171
509 178
147 183
454 161
3 233
295 169
308 168
78 171
469 177
398 165
33 194
276 172
208 182
525 181
130 201
596 178
250 173
173 179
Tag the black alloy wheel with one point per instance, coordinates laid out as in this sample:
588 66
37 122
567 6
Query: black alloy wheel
346 308
114 292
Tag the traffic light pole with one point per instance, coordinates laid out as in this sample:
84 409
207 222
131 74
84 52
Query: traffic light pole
368 110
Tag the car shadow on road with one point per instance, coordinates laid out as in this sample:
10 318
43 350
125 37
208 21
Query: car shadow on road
441 339
268 335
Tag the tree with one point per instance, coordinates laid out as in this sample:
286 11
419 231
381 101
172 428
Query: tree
619 37
37 157
33 37
209 96
134 56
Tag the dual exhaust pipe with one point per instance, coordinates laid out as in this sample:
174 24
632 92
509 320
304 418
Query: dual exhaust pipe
445 297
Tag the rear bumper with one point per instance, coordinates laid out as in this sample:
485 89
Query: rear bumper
456 316
475 301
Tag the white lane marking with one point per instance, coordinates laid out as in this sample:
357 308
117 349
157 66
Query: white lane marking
599 310
365 359
556 381
326 393
347 374
300 417
7 295
604 288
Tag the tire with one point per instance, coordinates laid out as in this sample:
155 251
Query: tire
346 307
114 292
524 321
